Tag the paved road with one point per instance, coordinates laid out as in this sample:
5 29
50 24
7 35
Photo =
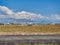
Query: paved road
12 38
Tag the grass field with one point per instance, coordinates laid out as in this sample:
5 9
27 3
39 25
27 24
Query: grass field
41 44
30 29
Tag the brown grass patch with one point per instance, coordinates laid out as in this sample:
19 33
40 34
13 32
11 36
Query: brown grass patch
30 29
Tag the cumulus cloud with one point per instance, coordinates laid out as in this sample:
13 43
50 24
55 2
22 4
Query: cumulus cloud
5 10
55 17
20 15
28 15
24 15
2 16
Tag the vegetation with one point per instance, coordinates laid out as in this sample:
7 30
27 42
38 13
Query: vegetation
29 43
39 44
30 29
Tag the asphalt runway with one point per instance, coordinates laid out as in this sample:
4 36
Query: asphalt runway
29 38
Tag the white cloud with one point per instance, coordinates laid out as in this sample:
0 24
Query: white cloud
24 15
6 10
55 17
2 16
28 15
20 15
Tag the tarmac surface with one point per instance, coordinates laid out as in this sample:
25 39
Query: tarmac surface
29 38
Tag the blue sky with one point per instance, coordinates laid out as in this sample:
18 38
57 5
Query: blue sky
43 7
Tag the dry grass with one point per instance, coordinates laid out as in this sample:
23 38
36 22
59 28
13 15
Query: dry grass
30 29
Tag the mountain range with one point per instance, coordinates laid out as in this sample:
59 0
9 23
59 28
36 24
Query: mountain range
22 21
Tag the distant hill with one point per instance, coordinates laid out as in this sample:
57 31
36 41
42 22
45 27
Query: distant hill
11 20
21 21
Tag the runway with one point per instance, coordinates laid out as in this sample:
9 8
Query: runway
12 38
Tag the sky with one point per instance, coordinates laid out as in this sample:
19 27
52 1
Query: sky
36 10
